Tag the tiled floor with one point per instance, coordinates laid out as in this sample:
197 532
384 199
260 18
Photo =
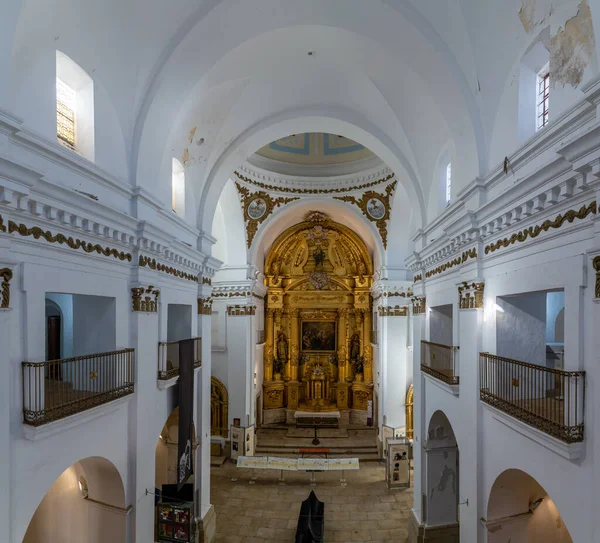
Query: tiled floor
363 511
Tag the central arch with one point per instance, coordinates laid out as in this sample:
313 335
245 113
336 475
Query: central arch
333 120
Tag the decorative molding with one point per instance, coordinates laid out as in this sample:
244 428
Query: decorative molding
266 203
205 306
294 190
419 304
147 304
2 227
241 310
471 253
88 247
418 277
231 294
396 311
535 231
319 314
206 281
146 261
471 295
384 199
6 275
596 264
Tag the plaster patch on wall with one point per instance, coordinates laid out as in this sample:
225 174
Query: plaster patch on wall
192 134
447 473
186 157
572 47
526 14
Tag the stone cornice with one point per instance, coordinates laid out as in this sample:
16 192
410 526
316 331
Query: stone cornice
297 185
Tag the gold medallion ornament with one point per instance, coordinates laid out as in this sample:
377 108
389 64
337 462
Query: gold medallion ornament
257 207
376 207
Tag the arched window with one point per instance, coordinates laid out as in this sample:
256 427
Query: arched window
74 107
178 188
448 183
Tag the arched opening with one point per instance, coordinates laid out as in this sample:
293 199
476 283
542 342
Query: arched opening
441 476
54 325
85 504
520 510
409 411
166 476
219 407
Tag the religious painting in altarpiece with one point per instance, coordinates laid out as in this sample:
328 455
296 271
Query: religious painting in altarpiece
318 318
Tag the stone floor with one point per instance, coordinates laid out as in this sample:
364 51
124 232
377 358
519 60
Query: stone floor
363 511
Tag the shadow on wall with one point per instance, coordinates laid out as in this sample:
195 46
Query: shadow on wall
520 511
65 515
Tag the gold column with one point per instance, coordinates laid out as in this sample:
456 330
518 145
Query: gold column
294 315
268 356
367 350
341 346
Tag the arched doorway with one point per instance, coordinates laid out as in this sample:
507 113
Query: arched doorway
441 477
85 504
408 403
317 353
219 407
166 462
520 510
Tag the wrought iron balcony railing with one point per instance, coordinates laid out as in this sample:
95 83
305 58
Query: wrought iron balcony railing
440 361
168 358
548 399
57 389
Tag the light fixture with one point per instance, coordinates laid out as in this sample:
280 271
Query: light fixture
533 506
83 487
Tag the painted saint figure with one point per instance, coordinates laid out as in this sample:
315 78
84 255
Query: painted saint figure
354 348
282 348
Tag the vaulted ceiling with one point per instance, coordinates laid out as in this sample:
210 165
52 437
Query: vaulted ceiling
213 81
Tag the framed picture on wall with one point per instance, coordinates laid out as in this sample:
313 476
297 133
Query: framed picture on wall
319 336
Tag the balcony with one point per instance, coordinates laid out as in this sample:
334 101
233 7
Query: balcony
440 361
168 360
550 400
57 389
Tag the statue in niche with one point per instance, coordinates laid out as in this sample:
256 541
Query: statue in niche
354 348
275 267
282 348
319 255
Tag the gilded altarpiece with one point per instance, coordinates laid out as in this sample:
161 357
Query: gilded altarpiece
318 319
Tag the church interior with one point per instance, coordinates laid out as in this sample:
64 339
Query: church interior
318 271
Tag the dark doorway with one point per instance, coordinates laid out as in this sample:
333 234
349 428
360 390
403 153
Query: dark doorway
53 335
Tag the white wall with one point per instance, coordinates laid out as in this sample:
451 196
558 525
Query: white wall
521 327
179 322
94 324
440 324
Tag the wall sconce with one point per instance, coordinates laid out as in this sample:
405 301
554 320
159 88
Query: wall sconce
83 487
